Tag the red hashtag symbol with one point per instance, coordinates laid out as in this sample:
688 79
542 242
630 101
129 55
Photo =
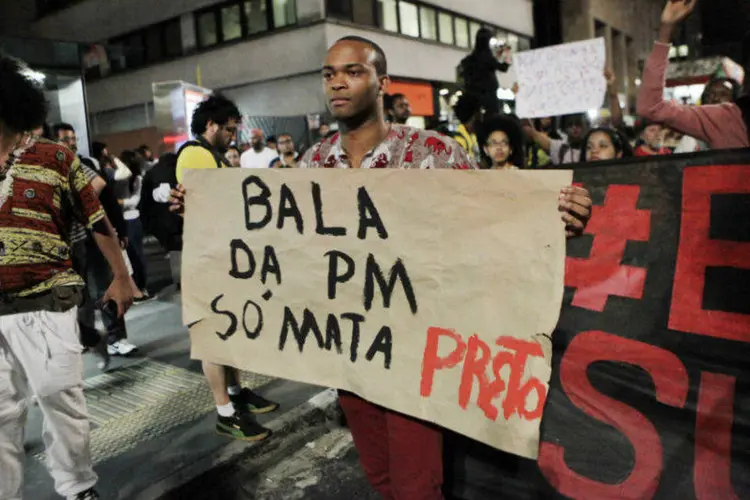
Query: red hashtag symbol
602 274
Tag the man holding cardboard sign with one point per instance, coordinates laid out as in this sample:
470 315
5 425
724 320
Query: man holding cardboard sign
401 455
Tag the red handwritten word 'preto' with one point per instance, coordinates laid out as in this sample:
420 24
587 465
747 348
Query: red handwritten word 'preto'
477 357
602 275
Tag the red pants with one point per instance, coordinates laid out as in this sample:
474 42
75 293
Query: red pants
402 456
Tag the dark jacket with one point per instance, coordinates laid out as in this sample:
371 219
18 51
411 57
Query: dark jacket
156 218
478 68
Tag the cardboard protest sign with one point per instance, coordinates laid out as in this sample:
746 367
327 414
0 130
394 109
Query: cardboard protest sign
433 293
561 80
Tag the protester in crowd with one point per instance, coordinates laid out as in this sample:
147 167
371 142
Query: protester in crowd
156 217
132 217
258 156
233 156
562 151
287 154
272 142
548 125
502 141
605 143
718 91
97 272
398 109
324 131
721 126
478 71
468 110
214 125
147 154
401 455
652 140
41 291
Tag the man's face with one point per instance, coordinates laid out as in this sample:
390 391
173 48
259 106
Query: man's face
148 154
545 122
225 134
576 129
323 130
653 135
256 139
68 138
350 80
719 93
401 110
286 144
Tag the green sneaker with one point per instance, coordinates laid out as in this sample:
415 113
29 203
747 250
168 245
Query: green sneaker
242 426
248 401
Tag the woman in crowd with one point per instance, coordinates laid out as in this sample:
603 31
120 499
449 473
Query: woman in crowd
602 144
233 156
132 219
501 138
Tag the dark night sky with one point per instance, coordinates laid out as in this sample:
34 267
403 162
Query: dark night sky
724 20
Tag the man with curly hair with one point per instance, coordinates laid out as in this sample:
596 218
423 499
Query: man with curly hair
42 187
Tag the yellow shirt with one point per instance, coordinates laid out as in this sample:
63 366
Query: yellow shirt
468 141
194 157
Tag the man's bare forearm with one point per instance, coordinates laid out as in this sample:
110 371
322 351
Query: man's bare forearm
106 239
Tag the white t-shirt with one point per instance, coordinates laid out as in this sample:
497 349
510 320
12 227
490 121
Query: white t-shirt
251 159
562 153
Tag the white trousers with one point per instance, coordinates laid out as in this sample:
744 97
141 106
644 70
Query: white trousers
40 355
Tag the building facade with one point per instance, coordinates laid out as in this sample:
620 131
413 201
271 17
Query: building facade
629 28
265 54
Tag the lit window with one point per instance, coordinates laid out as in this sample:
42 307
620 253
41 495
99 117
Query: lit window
512 42
445 22
683 50
231 24
672 52
207 35
284 13
388 15
409 15
257 19
427 23
462 32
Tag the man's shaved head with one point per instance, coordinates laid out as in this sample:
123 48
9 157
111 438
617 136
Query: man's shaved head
380 62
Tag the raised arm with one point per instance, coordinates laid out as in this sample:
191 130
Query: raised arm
702 122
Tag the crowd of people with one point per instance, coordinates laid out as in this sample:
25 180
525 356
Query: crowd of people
72 231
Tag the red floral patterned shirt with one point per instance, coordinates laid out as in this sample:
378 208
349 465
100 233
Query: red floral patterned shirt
405 147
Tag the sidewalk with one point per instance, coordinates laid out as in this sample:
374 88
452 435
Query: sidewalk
153 417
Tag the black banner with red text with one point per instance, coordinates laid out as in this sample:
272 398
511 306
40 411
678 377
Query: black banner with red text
649 394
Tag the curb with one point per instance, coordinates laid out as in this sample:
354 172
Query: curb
319 409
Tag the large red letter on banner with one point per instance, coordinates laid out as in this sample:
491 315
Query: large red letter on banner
697 252
671 383
713 438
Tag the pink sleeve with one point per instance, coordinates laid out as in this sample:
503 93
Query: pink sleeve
702 122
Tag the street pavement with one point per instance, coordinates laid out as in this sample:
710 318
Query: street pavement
153 418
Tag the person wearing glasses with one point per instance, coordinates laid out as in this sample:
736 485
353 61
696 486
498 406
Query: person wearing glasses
214 125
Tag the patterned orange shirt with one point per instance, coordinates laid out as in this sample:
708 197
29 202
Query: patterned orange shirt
405 147
40 197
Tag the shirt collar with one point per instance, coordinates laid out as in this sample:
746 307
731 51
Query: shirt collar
386 147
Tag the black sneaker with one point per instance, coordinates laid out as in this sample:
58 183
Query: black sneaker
247 400
242 426
89 494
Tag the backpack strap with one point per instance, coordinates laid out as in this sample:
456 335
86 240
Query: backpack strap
201 142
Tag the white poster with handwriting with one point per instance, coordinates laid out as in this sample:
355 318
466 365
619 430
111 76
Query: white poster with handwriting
561 80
